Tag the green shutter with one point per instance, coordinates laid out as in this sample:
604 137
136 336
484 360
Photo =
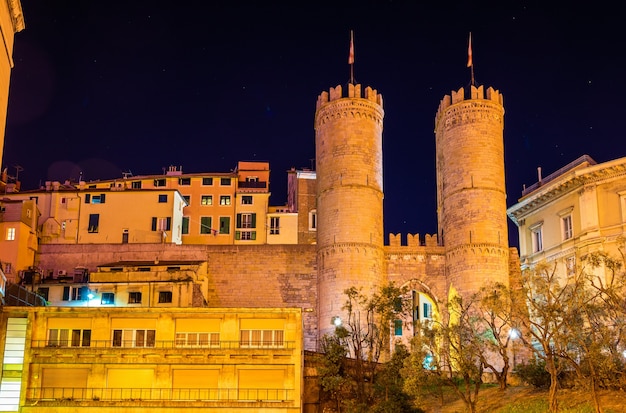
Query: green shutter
185 229
154 223
237 235
238 220
253 235
253 221
87 198
168 223
102 198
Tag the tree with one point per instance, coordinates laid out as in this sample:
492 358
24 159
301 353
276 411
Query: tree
359 343
448 353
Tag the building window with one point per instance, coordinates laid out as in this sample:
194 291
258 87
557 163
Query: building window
165 297
397 327
566 225
161 224
198 339
98 199
261 338
224 199
76 293
246 220
207 181
206 200
10 234
134 297
185 229
225 181
184 181
224 225
246 200
187 199
162 198
134 338
313 220
135 184
205 225
61 337
536 233
274 225
570 266
108 298
159 182
43 292
94 221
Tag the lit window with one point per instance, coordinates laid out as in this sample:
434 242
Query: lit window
10 234
224 199
275 225
246 200
198 339
566 225
206 200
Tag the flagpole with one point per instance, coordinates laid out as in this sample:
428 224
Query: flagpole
351 57
470 60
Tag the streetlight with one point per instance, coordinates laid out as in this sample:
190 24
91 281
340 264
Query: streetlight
514 335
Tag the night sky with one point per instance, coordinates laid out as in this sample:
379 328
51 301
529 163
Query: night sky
102 87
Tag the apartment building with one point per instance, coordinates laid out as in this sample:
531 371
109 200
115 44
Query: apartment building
577 210
70 359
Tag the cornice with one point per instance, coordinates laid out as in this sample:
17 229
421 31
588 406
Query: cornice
565 184
17 17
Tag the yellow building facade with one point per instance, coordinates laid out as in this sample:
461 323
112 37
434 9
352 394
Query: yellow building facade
161 360
577 210
18 232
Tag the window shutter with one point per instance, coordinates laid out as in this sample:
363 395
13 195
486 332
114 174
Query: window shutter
102 198
238 220
237 235
154 223
66 293
87 198
253 221
253 235
168 223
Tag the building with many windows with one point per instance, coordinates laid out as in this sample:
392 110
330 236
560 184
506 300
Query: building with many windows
18 232
577 210
162 359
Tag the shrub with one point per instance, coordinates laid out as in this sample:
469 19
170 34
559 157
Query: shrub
534 373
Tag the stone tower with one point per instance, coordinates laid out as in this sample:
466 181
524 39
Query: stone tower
471 197
349 167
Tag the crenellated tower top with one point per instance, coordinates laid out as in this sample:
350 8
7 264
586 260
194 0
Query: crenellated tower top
354 91
476 93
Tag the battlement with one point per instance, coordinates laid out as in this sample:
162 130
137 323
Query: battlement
475 94
413 240
354 91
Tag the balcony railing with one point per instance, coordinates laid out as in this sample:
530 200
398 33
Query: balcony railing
221 345
163 394
252 184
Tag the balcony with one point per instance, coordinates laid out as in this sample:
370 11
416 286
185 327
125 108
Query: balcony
135 395
164 345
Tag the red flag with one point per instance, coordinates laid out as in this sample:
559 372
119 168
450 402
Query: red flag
351 55
469 52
